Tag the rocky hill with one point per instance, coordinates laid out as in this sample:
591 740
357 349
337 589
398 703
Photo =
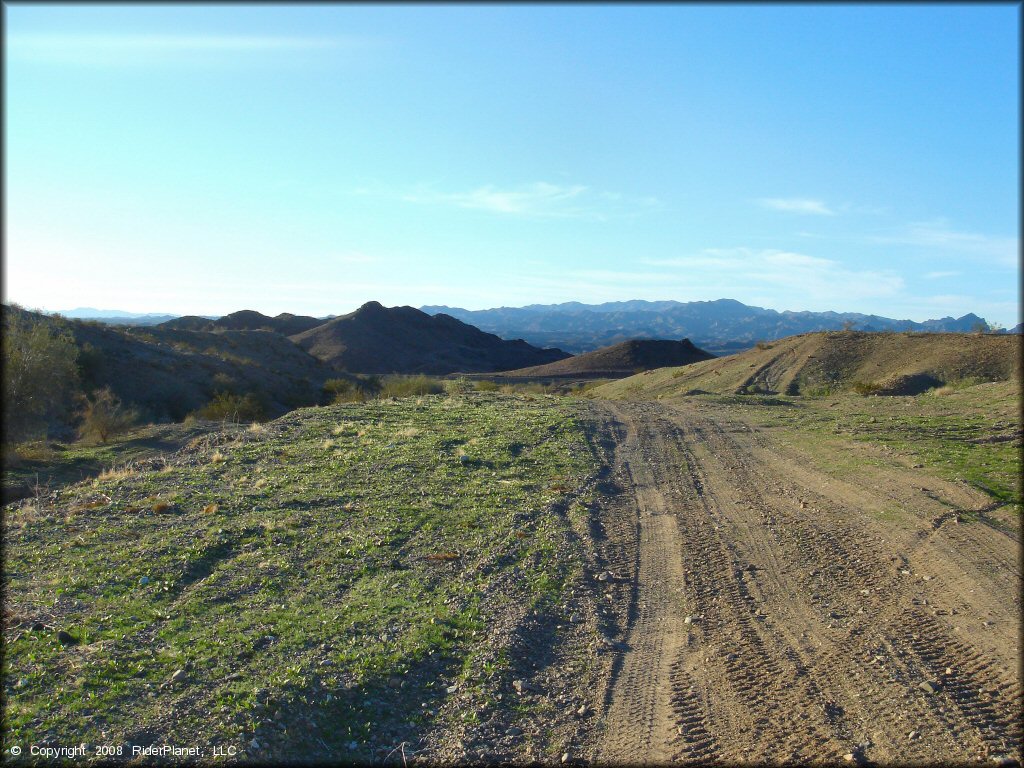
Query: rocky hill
873 363
378 340
619 360
285 323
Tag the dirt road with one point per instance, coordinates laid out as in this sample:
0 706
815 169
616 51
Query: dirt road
761 610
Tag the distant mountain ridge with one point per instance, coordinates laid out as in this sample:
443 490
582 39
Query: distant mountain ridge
721 326
379 340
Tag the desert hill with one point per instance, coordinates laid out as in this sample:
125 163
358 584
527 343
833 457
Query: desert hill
376 339
170 373
286 323
619 360
882 363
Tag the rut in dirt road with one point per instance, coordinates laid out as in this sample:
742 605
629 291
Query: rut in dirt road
771 620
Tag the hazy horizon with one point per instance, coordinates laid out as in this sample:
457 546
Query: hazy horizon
307 159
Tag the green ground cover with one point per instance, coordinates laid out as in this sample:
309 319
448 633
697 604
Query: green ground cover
321 581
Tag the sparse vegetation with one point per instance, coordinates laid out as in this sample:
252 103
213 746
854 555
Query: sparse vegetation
228 406
40 374
340 600
104 415
865 387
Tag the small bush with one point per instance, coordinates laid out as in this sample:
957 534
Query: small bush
486 385
865 387
764 345
356 390
105 416
226 406
410 386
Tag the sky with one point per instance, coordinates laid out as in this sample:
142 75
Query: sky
201 159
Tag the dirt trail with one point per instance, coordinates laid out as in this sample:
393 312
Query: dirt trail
762 611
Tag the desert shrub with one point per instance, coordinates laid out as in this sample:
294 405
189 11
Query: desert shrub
486 385
40 375
865 387
764 345
105 416
410 386
458 386
356 390
223 382
228 406
817 390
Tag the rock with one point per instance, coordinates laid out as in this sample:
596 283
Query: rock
179 676
850 757
513 731
452 688
144 580
929 686
583 710
254 745
565 757
521 686
914 735
38 626
949 670
65 639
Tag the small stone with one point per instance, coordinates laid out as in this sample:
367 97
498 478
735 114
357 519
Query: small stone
929 686
949 670
179 676
914 735
38 626
850 757
521 686
513 731
144 580
582 710
254 745
65 639
565 757
452 688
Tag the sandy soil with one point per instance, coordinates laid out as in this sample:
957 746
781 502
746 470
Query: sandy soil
761 610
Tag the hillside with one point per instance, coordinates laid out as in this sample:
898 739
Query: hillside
285 323
619 360
375 339
886 363
723 326
170 373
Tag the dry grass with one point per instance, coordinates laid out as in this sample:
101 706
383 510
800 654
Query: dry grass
218 457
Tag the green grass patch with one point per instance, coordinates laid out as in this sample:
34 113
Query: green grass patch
322 579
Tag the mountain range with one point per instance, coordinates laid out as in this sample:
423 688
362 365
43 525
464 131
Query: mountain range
721 327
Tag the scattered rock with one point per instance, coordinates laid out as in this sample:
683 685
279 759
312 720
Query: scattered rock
513 731
930 686
565 757
179 676
521 686
65 639
452 688
583 710
914 735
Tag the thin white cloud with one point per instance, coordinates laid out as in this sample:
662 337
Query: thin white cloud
940 275
796 205
937 234
537 200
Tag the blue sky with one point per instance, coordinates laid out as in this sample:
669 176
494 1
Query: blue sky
204 159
